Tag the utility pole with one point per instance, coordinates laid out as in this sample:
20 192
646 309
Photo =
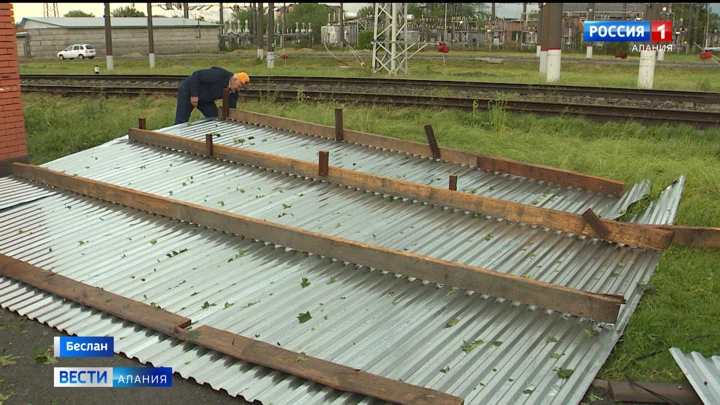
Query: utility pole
186 10
151 40
646 71
108 39
554 53
544 40
707 24
524 25
697 23
271 36
590 17
251 19
222 22
538 32
259 32
342 28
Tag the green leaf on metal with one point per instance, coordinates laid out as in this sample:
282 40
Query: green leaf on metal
304 317
467 347
564 372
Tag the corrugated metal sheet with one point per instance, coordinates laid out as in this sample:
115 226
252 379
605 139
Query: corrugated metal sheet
662 210
702 372
13 192
412 168
373 320
219 371
377 322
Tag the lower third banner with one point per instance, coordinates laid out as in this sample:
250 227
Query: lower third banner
125 377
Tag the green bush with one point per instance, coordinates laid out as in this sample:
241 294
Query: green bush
365 39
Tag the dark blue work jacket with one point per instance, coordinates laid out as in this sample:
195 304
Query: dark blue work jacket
208 85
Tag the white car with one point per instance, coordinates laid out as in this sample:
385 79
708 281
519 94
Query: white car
80 51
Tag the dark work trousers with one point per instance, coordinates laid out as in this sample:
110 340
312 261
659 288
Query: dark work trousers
184 108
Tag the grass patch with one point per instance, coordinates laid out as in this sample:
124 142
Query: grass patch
683 311
432 66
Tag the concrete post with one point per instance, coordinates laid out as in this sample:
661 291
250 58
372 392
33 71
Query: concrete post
646 74
271 36
538 34
108 39
554 41
259 32
544 40
151 40
590 17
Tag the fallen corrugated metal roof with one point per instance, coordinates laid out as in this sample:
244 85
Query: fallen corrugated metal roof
702 372
412 168
369 320
379 322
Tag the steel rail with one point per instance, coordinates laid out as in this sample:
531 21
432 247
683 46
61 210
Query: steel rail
679 96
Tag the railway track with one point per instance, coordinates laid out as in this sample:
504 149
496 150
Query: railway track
598 104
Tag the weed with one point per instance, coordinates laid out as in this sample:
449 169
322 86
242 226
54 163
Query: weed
705 85
497 113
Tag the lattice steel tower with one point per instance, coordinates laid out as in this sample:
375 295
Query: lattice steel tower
392 45
50 10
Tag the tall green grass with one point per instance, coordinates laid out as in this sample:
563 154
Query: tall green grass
683 310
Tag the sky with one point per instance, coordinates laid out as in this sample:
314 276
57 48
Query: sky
36 9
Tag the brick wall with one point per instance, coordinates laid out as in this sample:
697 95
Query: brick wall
12 124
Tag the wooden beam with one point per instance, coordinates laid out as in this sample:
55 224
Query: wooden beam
533 171
551 174
253 351
452 182
209 145
225 112
620 232
698 236
338 125
94 297
142 123
323 163
333 375
581 303
430 134
595 223
623 391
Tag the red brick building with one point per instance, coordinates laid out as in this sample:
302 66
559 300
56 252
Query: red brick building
12 124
